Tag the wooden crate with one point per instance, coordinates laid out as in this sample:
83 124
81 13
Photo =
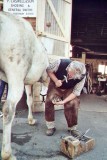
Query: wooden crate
72 147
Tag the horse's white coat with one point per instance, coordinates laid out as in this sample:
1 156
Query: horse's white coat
23 61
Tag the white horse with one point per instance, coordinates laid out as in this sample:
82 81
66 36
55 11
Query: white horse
23 61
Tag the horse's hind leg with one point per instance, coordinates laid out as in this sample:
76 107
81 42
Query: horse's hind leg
28 90
15 91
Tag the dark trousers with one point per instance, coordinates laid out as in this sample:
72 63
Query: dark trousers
70 108
2 87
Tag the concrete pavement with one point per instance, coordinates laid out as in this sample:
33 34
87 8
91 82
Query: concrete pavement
31 143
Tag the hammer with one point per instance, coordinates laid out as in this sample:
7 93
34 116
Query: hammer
65 79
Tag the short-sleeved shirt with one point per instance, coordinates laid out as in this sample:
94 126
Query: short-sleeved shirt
53 67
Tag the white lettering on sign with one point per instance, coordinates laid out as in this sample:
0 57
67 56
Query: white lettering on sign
23 8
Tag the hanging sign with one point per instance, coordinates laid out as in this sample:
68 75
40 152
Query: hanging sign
23 8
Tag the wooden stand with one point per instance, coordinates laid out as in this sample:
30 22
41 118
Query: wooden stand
72 147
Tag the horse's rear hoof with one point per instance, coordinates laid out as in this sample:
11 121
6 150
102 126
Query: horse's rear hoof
32 121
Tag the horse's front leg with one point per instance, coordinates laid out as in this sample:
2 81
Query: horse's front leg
14 95
28 89
8 116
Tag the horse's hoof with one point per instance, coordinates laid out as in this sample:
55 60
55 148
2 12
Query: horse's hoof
7 156
32 121
12 157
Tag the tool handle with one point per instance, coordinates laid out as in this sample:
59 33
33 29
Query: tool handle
63 80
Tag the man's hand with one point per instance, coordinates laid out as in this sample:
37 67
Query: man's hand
58 83
57 100
58 103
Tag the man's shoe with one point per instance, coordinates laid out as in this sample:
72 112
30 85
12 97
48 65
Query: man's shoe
50 131
74 133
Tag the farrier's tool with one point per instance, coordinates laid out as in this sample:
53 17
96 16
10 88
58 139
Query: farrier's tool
83 134
65 79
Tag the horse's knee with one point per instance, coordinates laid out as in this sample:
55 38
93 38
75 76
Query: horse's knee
8 112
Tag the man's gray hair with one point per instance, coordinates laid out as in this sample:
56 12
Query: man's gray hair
78 68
